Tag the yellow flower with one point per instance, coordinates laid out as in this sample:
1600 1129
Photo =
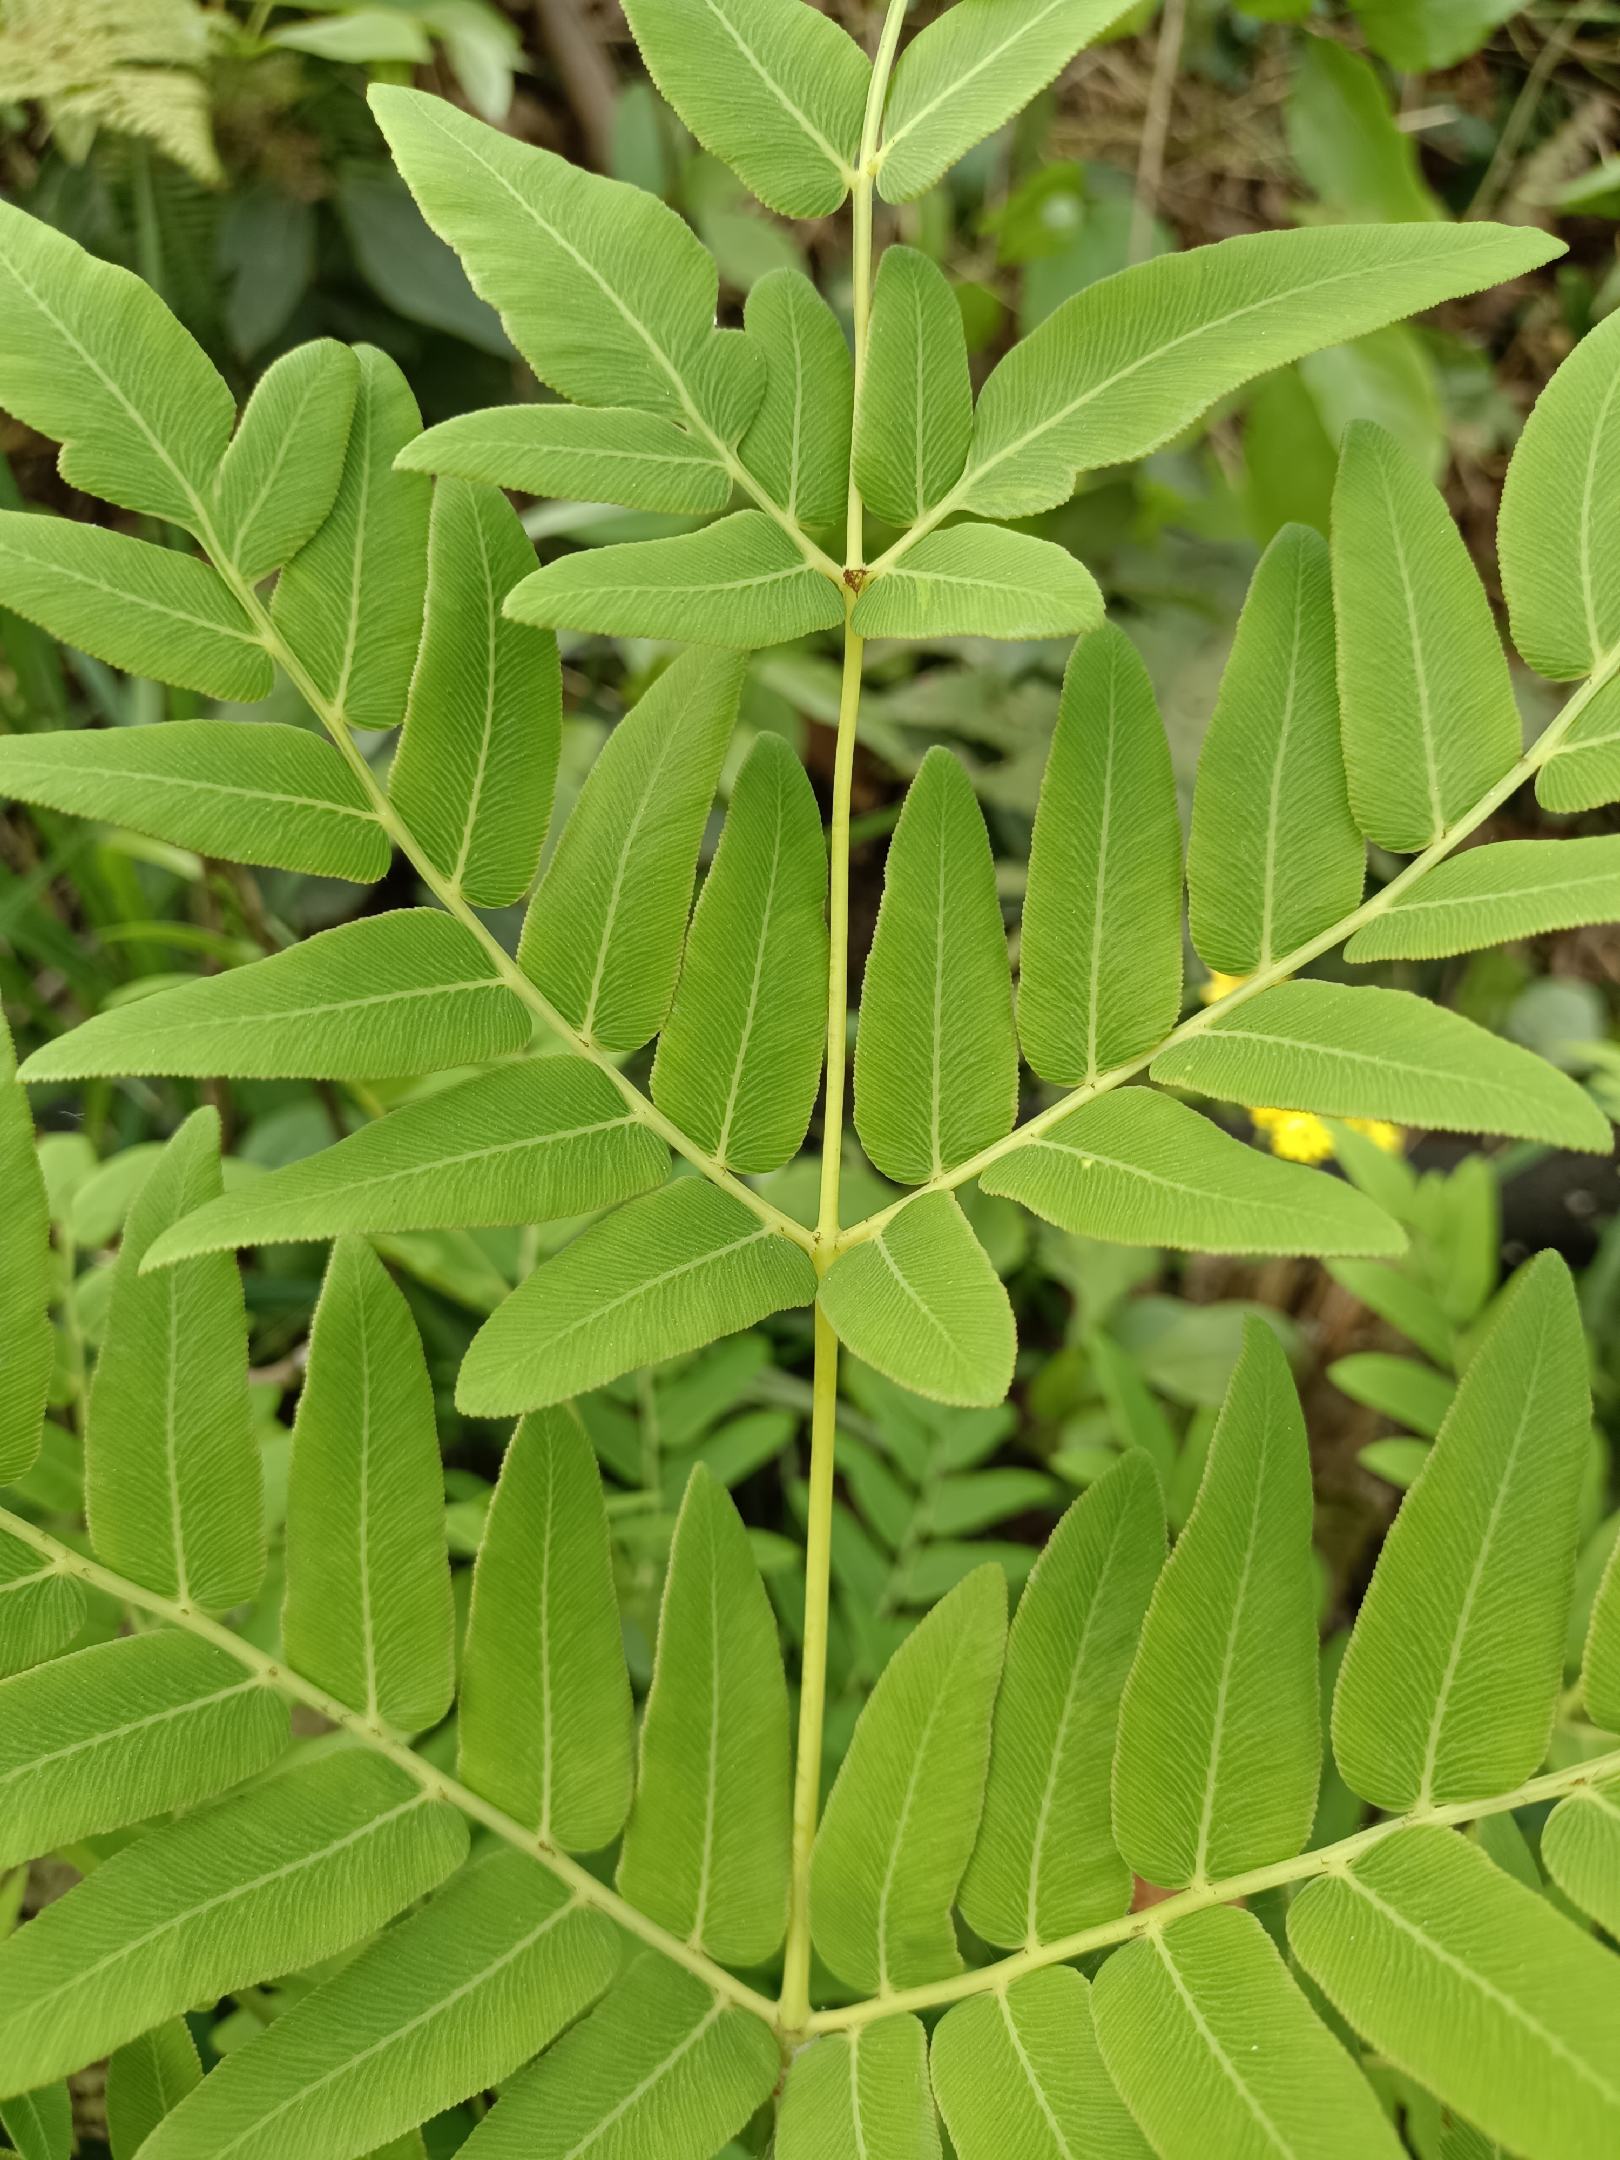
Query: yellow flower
1300 1136
1219 986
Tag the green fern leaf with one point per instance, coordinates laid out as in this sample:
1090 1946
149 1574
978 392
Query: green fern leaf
900 1822
981 581
367 1613
774 88
350 602
1100 962
1430 720
1494 895
280 476
477 762
1140 1168
860 2093
575 451
545 1723
1448 1689
449 2002
1275 857
1130 362
936 1063
1473 1985
139 607
1600 1671
94 359
706 1848
1560 556
1583 772
1216 2050
916 416
40 2124
920 1301
172 1478
1226 1673
1018 2076
663 2065
40 1608
409 992
603 933
1045 1864
667 1274
145 2079
531 1142
1381 1054
1580 1849
739 1059
272 1879
268 794
797 445
112 1734
27 1347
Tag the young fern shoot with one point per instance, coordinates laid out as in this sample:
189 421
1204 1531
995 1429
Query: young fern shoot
666 1937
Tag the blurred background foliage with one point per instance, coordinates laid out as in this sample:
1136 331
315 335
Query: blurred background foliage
225 152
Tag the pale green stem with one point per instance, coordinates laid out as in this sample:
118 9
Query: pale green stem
1265 978
1325 1860
794 2008
382 1740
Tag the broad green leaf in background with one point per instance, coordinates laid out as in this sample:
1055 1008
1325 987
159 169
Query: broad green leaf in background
1413 1395
280 476
142 608
608 294
173 1487
284 1873
1129 362
478 759
367 1613
1219 1745
1580 1849
1448 1689
798 443
349 604
1018 2076
661 2066
266 794
448 2003
862 2093
706 1848
526 1143
112 1734
739 1059
40 1608
94 359
775 88
1275 856
739 582
27 1347
1100 959
145 2079
545 1720
1430 719
407 992
936 1063
916 416
1558 536
1345 140
666 1274
1493 895
1215 2048
981 581
921 1301
603 933
1140 1168
576 452
1381 1054
1419 35
1472 1984
40 2123
900 1822
1600 1669
1045 1864
966 73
